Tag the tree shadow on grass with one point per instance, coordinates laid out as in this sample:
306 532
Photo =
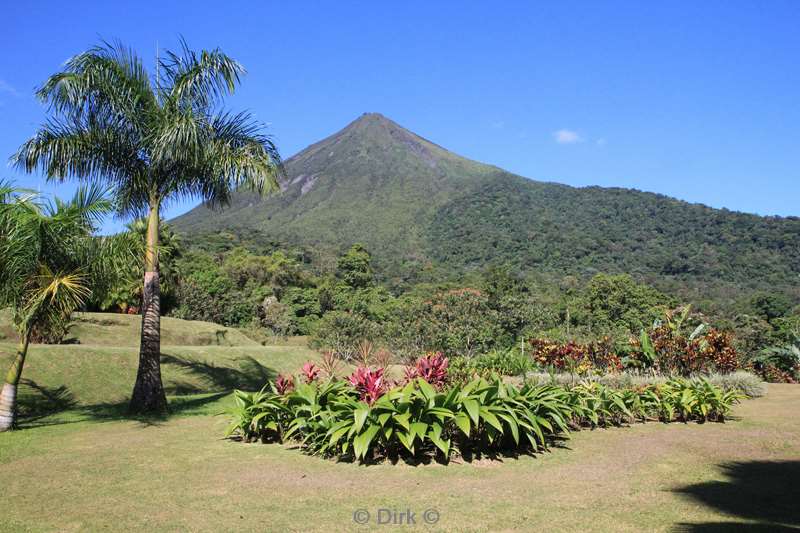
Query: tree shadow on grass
251 375
764 493
37 401
210 383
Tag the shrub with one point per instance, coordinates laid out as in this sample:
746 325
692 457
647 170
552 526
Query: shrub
213 302
679 399
454 322
619 303
341 332
594 404
576 358
284 384
778 364
504 362
310 372
275 317
746 383
417 420
717 349
259 415
665 349
694 399
462 369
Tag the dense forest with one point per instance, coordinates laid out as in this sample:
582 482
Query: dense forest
342 304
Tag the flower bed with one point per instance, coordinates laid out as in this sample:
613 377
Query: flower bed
365 419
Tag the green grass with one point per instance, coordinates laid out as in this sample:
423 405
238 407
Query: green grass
100 378
79 464
114 329
94 379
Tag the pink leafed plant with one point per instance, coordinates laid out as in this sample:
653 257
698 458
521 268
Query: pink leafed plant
370 383
310 372
284 384
431 367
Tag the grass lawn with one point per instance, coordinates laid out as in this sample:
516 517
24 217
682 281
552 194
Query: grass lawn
87 468
92 379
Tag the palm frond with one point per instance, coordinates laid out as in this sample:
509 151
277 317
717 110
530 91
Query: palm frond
62 149
90 204
147 145
239 153
197 80
52 297
106 81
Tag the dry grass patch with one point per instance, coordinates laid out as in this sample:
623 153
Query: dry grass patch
179 475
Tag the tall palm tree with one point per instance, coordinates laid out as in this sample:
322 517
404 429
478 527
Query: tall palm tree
51 264
152 141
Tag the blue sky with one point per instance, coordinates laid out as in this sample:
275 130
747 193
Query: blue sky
696 100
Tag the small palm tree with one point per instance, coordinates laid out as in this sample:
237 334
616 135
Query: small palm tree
152 141
126 296
51 264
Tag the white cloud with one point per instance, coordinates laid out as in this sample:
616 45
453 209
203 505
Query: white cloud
601 142
7 88
565 136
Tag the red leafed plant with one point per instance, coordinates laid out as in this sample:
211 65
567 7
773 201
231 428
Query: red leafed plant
310 372
431 367
718 348
369 383
284 384
576 357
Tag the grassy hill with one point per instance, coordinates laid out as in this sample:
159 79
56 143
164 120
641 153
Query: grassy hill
114 329
201 364
415 204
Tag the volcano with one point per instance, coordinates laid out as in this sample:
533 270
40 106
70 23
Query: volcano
416 205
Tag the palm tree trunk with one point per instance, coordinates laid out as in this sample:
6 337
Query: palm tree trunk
8 398
148 392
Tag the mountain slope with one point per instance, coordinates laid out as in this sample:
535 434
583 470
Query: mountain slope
413 202
372 182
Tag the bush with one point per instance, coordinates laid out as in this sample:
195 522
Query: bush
221 304
432 368
619 303
666 350
576 358
778 364
275 317
503 362
341 333
454 322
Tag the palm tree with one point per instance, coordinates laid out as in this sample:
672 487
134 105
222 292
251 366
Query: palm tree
152 142
51 264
